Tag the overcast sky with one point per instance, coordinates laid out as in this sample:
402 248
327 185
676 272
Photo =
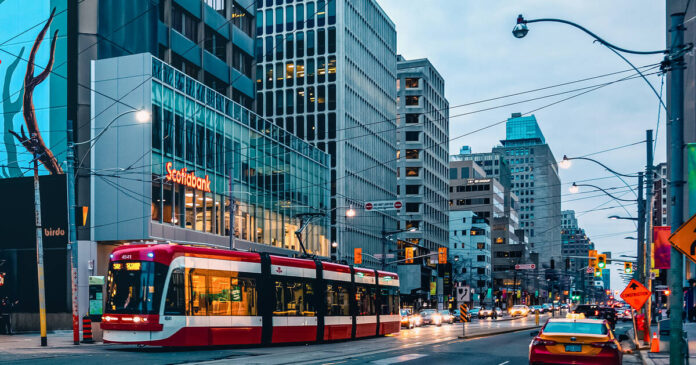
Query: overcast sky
471 44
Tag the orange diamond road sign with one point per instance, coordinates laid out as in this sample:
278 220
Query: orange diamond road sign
635 294
684 239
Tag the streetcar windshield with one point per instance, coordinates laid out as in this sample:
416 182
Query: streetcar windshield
135 287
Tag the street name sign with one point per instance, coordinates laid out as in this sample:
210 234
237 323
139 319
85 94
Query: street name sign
684 239
635 294
525 267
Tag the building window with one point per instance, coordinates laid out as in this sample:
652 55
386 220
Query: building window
412 100
215 43
412 136
412 207
242 20
453 173
184 23
411 83
412 189
412 118
412 171
412 154
217 5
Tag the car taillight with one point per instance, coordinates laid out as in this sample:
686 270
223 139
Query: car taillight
607 345
596 313
541 342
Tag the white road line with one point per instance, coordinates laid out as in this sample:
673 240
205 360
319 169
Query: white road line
503 363
398 359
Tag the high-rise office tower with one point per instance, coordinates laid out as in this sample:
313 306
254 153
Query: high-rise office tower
327 73
534 179
422 137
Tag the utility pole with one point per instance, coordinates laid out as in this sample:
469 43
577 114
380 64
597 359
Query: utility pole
72 234
640 274
648 224
676 159
39 241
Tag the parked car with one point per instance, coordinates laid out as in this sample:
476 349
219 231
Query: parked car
498 312
431 316
547 307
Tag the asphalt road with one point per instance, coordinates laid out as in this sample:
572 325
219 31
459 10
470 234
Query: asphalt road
425 345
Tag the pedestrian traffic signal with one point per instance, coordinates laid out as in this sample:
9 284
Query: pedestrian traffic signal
442 255
628 267
409 254
357 256
598 273
602 261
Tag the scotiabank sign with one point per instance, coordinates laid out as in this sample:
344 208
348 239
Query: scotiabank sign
186 178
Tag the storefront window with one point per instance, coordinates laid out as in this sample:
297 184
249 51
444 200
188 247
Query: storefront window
179 206
167 199
156 199
209 203
200 212
189 208
179 136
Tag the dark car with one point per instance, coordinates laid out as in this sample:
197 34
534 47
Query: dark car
596 311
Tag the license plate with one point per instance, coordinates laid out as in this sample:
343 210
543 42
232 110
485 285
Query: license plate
573 348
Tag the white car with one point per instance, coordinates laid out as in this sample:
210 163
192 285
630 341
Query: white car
624 314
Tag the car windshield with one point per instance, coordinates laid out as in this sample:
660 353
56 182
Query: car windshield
576 327
404 312
135 287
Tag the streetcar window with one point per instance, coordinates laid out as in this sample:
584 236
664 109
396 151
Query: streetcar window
294 299
196 294
243 297
175 303
135 289
389 301
337 300
365 299
219 295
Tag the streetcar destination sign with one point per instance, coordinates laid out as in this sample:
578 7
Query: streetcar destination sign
525 267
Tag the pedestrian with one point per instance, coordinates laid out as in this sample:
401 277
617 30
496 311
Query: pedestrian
6 315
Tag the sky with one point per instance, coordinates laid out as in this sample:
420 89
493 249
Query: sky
471 44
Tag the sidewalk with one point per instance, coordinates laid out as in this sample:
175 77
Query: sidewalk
662 357
28 346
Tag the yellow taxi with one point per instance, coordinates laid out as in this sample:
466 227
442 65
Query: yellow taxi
575 340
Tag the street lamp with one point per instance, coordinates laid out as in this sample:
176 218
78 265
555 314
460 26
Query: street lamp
350 213
674 63
575 188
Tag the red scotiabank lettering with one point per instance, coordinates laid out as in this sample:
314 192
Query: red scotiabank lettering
187 178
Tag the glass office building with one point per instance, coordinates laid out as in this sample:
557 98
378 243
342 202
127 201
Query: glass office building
195 141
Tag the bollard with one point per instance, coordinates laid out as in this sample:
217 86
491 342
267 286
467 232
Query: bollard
87 330
536 318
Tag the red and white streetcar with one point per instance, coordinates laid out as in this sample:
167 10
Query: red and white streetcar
175 295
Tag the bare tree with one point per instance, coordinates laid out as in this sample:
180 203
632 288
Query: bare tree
37 144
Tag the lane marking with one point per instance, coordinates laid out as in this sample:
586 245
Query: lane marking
398 359
503 363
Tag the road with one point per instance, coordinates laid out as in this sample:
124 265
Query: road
424 345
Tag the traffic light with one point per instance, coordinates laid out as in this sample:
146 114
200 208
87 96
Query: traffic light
602 261
442 255
598 273
628 267
409 254
593 259
357 256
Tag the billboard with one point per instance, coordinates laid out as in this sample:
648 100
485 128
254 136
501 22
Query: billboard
33 74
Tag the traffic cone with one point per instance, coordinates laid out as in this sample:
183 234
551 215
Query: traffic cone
654 343
87 330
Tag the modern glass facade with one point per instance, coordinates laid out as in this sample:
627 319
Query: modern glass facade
197 140
325 73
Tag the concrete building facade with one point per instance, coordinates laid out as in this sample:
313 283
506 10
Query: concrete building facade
422 160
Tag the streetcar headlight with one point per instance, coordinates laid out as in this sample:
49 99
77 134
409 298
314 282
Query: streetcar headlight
136 319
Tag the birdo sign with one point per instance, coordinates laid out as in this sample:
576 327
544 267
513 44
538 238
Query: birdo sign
635 294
